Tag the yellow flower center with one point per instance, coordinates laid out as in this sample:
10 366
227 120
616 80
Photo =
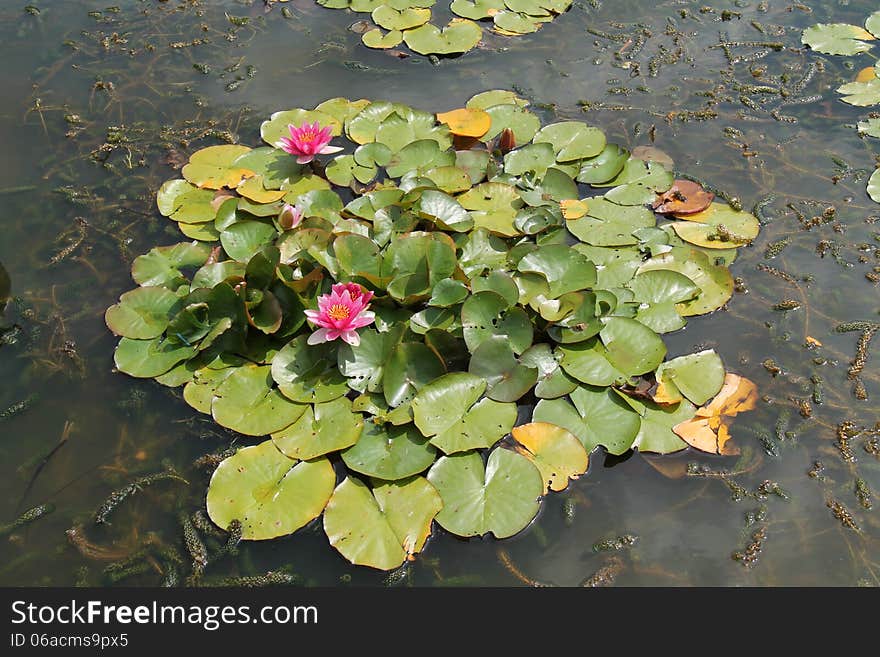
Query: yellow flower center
307 136
338 311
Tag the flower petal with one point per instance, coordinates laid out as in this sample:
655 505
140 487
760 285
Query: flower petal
351 337
329 150
304 159
319 336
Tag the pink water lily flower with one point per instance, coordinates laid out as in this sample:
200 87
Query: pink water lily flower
341 313
291 216
306 141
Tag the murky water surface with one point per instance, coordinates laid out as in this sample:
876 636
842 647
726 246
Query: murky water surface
100 103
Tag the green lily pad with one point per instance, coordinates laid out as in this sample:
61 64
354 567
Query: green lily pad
245 238
364 365
486 99
448 292
861 94
447 411
321 429
836 39
459 36
142 313
572 140
632 347
533 157
715 283
874 186
248 402
565 269
588 362
375 38
383 527
308 374
596 415
185 203
421 155
503 497
655 432
444 211
511 22
552 380
870 127
605 166
522 123
400 19
146 359
390 452
412 365
481 251
488 314
698 377
507 377
162 265
476 10
270 494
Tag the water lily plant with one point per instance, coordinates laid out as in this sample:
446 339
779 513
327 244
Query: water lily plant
496 300
290 217
341 313
308 140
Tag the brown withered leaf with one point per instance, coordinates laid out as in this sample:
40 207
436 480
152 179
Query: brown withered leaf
684 197
708 430
653 154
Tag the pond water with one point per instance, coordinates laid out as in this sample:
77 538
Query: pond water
99 104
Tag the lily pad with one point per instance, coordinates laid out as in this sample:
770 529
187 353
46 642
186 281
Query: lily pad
141 314
572 140
447 411
836 38
308 374
185 203
556 452
248 402
503 497
214 167
269 493
597 416
507 377
321 429
718 227
383 527
146 359
715 283
488 314
459 36
390 452
698 377
163 264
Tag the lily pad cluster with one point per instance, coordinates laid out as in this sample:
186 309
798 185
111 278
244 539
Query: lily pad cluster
864 91
520 279
409 22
